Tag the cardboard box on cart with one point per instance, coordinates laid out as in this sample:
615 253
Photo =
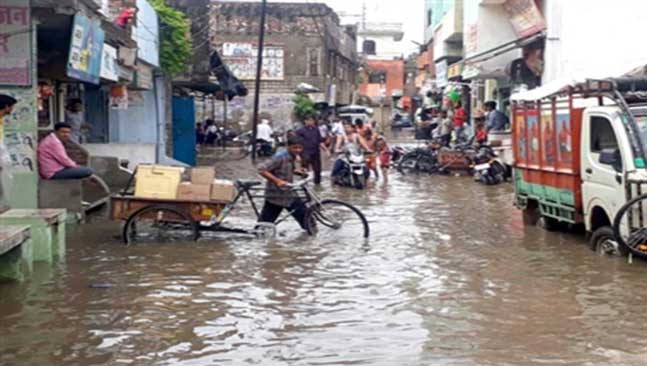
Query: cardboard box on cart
203 175
194 192
223 190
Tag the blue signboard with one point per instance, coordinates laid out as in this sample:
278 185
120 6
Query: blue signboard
86 49
147 33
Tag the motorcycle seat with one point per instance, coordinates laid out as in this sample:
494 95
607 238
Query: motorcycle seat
247 184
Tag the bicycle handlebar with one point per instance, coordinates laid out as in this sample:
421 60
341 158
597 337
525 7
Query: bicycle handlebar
300 184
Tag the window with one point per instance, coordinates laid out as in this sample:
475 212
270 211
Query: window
332 65
369 47
602 135
377 77
313 62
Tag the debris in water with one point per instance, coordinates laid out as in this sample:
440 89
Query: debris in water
101 285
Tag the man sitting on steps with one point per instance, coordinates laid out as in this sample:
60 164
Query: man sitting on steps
53 161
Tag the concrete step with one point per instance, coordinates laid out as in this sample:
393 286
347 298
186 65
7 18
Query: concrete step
15 252
47 230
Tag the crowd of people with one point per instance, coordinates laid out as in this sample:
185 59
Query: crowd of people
338 135
447 125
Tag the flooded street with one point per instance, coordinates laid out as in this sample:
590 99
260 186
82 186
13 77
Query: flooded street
450 276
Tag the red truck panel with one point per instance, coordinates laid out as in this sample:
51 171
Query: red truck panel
546 140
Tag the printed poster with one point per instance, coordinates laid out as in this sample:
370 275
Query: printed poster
86 50
525 17
532 120
22 150
522 152
548 139
241 60
15 42
564 138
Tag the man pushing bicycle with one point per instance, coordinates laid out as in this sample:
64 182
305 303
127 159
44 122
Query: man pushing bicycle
279 173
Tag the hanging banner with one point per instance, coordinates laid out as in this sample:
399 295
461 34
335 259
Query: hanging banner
109 67
441 73
86 50
15 42
119 97
525 17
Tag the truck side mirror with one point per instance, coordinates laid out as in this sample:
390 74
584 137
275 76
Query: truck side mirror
611 157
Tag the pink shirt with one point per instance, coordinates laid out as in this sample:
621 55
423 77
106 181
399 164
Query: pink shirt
52 157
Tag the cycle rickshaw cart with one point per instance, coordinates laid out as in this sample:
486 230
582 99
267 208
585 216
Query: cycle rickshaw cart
164 220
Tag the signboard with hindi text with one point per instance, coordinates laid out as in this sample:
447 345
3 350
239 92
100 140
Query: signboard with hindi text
15 42
241 60
86 50
525 17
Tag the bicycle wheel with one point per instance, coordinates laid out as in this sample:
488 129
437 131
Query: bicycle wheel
630 227
331 217
159 224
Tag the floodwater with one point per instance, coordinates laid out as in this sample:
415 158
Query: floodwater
450 276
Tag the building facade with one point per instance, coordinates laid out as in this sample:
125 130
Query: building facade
86 50
304 43
380 41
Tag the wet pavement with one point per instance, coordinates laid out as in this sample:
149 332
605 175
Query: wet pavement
450 276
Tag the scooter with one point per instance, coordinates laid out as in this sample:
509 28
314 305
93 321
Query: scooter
489 170
354 173
263 148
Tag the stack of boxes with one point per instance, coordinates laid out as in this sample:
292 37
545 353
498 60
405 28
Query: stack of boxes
166 183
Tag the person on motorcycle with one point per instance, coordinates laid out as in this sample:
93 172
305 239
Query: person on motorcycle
265 136
279 173
351 139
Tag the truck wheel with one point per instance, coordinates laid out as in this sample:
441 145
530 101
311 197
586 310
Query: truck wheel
550 224
604 243
530 216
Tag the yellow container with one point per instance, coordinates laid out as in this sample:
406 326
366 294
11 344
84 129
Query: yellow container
157 181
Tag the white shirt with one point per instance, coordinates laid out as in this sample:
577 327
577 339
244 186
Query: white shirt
338 129
264 132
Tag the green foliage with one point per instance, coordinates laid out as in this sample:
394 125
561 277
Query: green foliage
175 38
304 107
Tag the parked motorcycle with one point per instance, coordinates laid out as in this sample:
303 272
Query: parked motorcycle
422 159
354 172
488 169
263 148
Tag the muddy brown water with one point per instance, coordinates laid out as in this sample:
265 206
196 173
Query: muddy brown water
450 276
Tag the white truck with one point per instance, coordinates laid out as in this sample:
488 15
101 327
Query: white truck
579 154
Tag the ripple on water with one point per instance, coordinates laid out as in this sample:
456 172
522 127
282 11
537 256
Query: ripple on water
449 277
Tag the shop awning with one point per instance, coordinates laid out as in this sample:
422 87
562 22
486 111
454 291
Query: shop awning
229 83
503 48
474 67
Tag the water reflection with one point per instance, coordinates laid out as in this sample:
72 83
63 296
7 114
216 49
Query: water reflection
450 276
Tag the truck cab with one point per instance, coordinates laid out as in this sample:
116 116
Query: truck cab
579 155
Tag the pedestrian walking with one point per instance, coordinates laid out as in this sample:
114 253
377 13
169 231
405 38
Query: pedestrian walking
74 117
460 119
445 129
384 155
313 143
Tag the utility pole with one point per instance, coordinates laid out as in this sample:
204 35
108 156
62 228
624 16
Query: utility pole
259 70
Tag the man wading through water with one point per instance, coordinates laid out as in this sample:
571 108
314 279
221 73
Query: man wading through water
313 143
279 173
